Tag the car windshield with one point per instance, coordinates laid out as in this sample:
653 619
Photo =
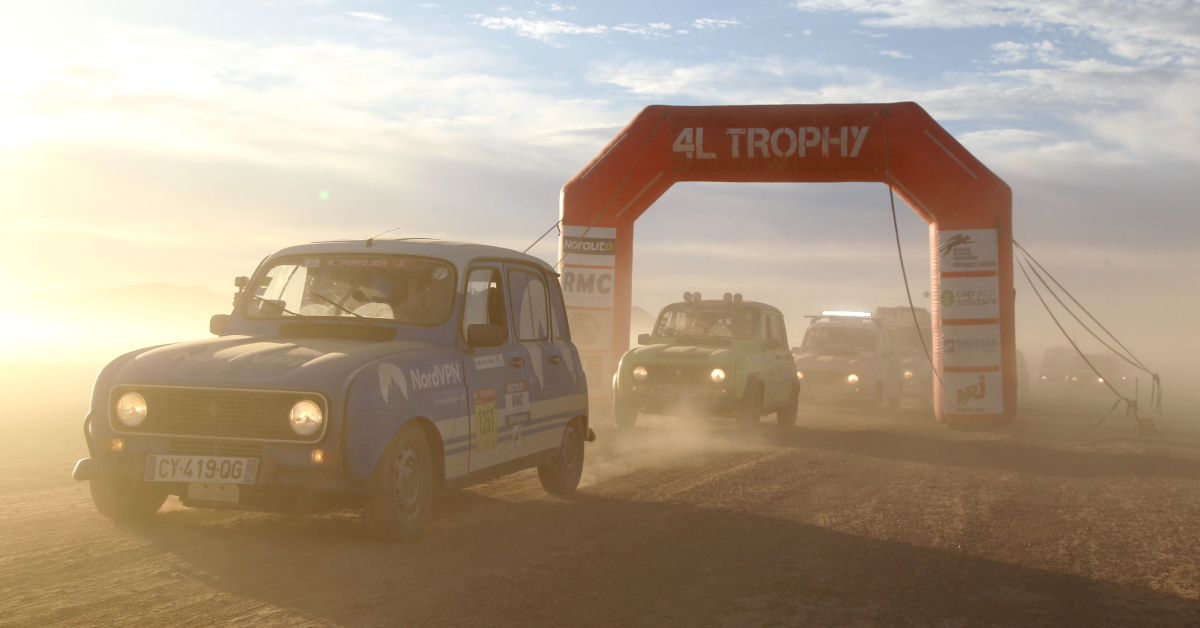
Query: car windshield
841 339
396 289
717 320
906 341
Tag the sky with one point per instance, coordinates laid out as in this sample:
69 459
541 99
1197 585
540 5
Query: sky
181 142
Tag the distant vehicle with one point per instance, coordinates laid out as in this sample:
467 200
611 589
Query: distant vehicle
725 358
916 370
1064 375
849 357
359 373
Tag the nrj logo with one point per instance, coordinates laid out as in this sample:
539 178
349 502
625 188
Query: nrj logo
972 392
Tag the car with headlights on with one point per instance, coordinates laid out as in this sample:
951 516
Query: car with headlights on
722 357
849 357
366 374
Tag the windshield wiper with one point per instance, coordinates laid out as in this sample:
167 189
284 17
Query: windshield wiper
334 303
281 308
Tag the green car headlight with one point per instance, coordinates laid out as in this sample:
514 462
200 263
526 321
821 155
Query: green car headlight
639 373
718 376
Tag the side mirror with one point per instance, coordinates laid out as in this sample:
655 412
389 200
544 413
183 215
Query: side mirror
643 339
771 343
486 335
217 324
241 282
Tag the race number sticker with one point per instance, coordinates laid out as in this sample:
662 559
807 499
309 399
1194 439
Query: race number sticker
967 250
970 345
485 419
969 297
972 393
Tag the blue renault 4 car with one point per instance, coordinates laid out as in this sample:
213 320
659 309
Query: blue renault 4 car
364 374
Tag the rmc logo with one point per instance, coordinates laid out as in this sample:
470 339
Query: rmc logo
780 142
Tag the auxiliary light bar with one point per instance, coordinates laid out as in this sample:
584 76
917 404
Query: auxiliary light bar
855 314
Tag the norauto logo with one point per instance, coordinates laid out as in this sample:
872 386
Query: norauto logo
590 246
763 142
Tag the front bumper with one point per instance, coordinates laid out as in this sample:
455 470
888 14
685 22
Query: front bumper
711 401
279 487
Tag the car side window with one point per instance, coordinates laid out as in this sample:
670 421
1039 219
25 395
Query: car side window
764 327
484 300
783 340
561 330
777 330
529 304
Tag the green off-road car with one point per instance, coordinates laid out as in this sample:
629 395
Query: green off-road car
726 358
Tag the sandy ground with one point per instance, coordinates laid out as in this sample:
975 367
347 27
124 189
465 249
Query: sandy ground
845 520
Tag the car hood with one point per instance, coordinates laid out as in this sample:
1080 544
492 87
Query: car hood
235 361
689 353
831 362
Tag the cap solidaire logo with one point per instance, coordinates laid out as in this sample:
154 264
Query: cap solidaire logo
947 298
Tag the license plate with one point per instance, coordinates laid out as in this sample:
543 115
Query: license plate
201 469
679 391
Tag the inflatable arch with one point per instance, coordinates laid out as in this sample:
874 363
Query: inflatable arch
967 207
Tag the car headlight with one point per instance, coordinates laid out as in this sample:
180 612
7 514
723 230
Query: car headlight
799 375
305 418
639 373
718 376
131 409
908 374
853 379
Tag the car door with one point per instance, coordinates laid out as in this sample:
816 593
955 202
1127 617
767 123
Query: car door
526 415
784 364
490 371
769 372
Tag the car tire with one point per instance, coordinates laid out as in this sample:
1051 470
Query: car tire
121 499
786 416
560 475
750 408
403 487
625 412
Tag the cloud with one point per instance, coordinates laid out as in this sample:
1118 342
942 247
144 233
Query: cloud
895 54
541 30
1159 32
708 23
375 17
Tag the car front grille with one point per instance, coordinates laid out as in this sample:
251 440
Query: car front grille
232 448
814 377
679 374
216 413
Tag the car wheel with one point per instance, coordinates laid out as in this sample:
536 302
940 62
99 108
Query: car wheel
121 499
403 486
787 414
750 409
625 412
560 475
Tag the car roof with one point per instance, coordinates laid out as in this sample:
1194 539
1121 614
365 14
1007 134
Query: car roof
458 253
761 306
